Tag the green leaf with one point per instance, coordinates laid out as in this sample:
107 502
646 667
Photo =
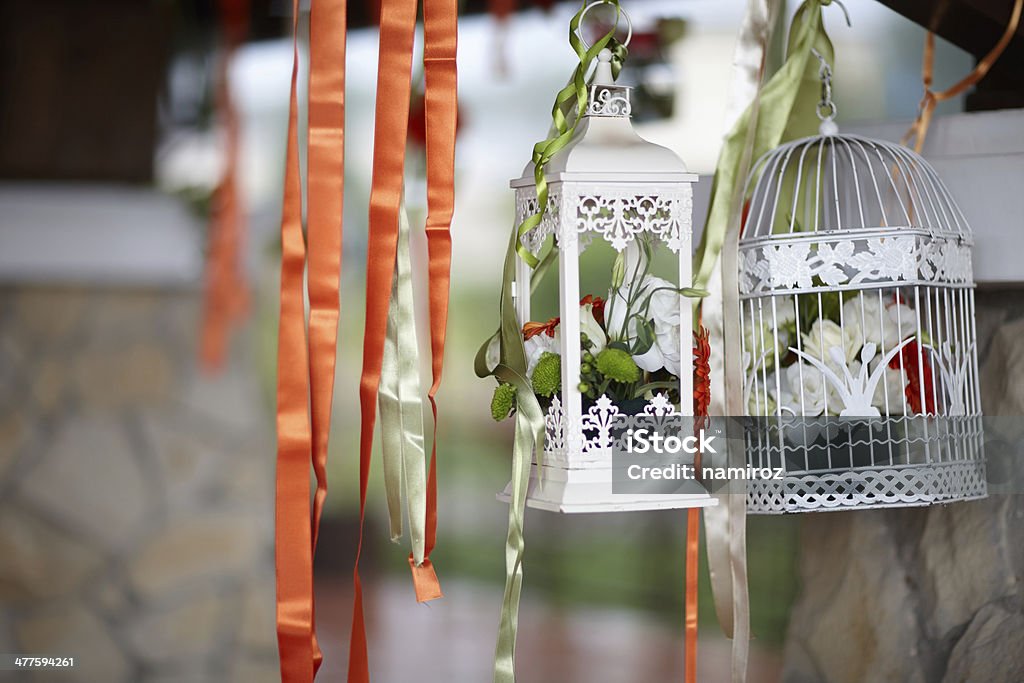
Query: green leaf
644 337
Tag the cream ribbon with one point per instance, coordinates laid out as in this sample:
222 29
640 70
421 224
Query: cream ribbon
758 129
401 405
725 523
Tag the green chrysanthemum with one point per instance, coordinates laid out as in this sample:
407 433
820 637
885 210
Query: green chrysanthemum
547 376
617 365
503 401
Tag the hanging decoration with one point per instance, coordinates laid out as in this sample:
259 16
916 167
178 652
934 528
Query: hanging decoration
770 114
306 361
857 301
226 296
388 356
624 355
621 355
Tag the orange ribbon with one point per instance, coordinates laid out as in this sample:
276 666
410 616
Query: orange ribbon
293 548
919 129
306 361
394 77
440 33
325 189
226 298
692 553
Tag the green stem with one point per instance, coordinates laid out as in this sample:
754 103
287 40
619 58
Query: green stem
663 384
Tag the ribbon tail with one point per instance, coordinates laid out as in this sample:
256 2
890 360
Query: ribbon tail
740 587
749 64
413 451
529 434
401 406
716 531
692 555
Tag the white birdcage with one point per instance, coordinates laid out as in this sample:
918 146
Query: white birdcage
857 301
607 184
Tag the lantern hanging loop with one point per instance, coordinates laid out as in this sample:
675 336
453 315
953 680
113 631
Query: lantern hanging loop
619 13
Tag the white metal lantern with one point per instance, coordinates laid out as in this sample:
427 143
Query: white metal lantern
857 300
609 184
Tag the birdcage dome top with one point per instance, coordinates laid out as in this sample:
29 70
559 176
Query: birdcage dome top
836 182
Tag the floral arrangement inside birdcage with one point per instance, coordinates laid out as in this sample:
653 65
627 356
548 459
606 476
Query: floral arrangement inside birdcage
857 355
630 341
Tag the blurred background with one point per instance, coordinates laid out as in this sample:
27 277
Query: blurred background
136 488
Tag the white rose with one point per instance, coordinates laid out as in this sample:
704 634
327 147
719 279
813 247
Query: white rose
759 333
785 323
538 345
884 324
825 334
663 310
785 311
664 352
804 390
664 306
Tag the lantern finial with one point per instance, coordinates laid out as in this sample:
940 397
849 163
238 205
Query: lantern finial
603 74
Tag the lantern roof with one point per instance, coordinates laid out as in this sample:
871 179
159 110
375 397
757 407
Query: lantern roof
605 147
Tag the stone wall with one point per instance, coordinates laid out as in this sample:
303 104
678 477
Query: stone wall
136 495
921 595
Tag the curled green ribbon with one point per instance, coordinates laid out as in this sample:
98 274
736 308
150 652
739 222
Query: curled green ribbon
401 405
570 105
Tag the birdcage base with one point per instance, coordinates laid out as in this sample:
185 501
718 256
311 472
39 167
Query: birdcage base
589 489
909 486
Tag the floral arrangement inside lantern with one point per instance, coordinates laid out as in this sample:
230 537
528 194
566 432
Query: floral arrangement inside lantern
630 341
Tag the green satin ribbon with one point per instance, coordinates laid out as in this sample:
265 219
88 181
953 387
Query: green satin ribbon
528 445
570 105
787 111
401 405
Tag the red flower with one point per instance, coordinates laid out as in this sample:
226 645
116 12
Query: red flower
701 372
532 329
918 374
